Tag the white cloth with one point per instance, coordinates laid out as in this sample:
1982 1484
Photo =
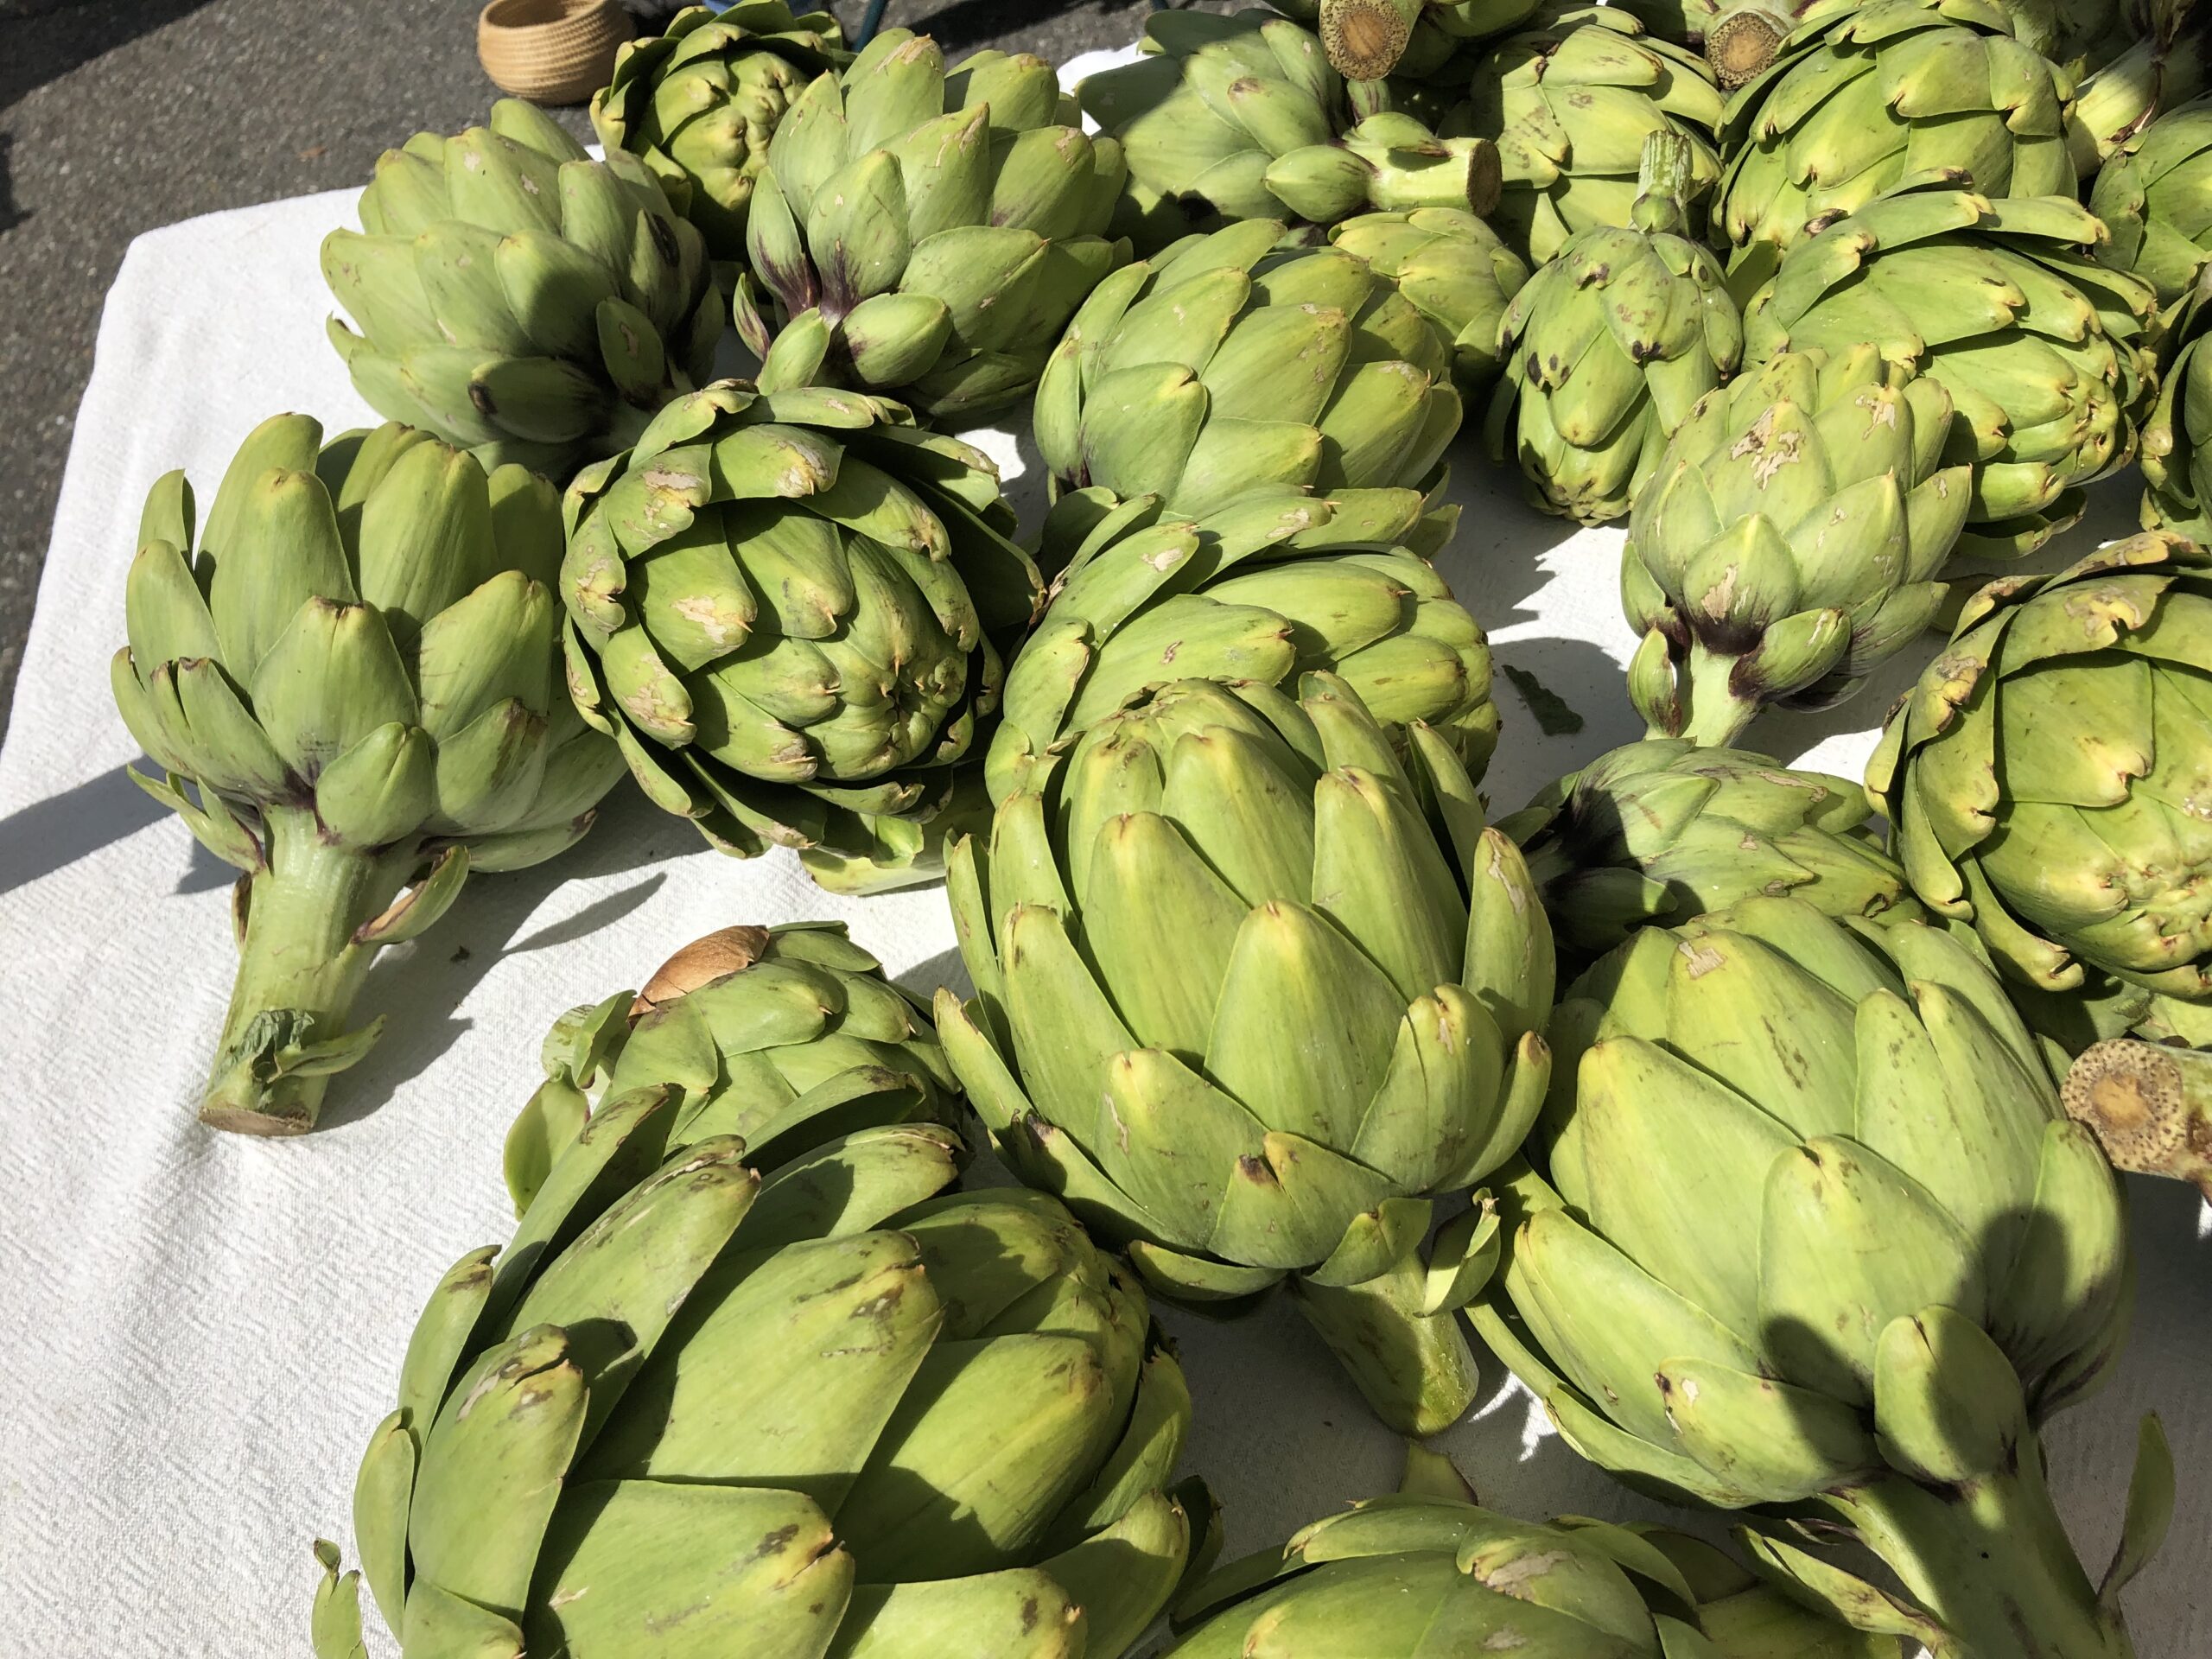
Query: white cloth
201 1330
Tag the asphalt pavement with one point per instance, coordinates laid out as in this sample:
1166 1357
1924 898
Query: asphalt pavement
119 116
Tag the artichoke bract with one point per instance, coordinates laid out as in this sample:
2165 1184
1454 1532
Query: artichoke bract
2155 195
1457 272
790 609
1252 1014
1274 585
350 675
698 103
1897 91
515 296
702 1403
926 234
1663 831
1220 366
2041 780
1384 1578
1570 106
1241 118
2044 352
1608 348
2178 431
784 1036
1808 1228
1790 540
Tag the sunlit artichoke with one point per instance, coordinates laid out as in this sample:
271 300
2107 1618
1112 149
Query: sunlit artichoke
350 674
1894 92
1663 830
1271 586
1220 366
698 103
1238 118
925 233
1252 1014
1807 1228
791 610
514 295
2045 353
707 1402
1570 104
1607 350
1790 540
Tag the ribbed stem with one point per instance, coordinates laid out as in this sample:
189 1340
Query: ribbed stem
2150 1107
1415 1367
299 971
1990 1561
1662 183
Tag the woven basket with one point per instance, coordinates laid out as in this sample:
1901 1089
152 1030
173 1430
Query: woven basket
550 51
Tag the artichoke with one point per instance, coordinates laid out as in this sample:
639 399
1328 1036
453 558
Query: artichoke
2178 431
1810 1230
1385 1579
1790 540
516 296
2149 56
790 608
1663 830
706 1405
2041 782
355 670
1898 89
1274 585
1457 272
784 1036
698 103
1570 106
2044 351
1238 118
926 235
1609 348
1220 366
2155 195
1251 1014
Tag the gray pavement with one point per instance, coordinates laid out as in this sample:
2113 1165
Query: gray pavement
118 116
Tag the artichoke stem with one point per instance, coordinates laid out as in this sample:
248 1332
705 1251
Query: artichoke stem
299 971
1662 183
1989 1560
1741 45
2149 1105
1414 1366
1714 713
1365 38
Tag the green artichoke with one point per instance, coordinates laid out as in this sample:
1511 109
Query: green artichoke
355 670
1394 1574
2041 782
924 234
2044 351
1570 106
1790 540
516 296
701 1406
784 1036
2155 195
1227 118
1609 348
1456 271
698 103
1898 89
1220 366
1810 1230
1272 586
1663 830
2178 431
1251 1014
790 609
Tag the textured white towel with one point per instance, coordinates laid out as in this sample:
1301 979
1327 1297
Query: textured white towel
198 1331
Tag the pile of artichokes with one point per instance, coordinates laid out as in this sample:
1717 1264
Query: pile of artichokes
1798 1201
